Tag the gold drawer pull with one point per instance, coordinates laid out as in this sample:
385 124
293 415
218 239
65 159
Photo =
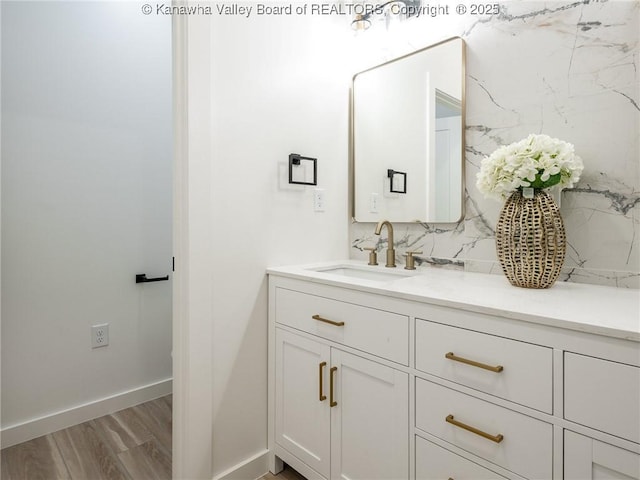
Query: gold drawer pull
331 322
332 402
322 397
494 438
452 356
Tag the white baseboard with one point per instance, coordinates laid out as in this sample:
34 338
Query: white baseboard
252 468
18 433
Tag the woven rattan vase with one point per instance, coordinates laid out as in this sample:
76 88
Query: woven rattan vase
530 240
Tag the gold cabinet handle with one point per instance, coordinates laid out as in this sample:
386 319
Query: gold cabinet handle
331 322
452 356
494 438
321 396
332 402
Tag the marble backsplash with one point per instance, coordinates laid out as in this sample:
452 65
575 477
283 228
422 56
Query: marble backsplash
566 69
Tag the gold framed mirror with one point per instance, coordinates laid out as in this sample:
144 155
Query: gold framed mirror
407 137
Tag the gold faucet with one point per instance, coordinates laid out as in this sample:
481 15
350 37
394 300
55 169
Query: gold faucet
391 253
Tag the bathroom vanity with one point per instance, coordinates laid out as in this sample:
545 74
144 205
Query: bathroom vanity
381 373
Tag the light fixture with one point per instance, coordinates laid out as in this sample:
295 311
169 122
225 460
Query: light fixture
403 8
361 21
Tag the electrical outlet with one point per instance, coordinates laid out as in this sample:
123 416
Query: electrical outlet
100 335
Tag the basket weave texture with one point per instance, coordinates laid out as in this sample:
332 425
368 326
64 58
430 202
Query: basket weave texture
530 240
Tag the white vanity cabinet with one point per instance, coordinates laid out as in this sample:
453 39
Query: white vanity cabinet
589 459
612 390
605 396
433 461
302 414
506 369
428 387
339 415
517 371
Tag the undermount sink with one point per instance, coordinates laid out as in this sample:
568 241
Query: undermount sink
364 273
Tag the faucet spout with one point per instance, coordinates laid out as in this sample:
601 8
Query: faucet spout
391 253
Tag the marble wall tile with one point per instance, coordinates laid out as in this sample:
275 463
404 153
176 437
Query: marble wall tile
566 69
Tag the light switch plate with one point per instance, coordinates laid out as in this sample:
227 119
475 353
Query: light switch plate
318 200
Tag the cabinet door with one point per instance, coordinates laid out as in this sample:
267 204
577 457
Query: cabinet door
370 423
302 414
586 458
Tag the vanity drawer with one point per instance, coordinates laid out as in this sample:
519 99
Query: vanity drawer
375 331
433 461
526 376
526 446
613 393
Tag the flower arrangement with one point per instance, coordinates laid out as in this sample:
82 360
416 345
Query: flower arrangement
537 161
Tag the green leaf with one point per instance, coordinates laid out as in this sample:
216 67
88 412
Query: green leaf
553 180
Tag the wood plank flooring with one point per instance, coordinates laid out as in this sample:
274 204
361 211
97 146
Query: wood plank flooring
287 474
132 444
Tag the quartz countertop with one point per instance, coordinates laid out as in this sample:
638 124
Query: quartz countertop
601 310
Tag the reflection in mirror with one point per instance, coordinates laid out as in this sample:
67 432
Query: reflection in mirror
408 118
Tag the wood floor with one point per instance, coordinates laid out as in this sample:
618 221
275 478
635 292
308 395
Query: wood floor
287 474
132 444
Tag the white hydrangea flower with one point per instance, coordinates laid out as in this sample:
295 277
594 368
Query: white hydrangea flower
537 161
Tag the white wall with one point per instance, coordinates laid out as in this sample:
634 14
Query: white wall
86 203
193 341
0 215
278 86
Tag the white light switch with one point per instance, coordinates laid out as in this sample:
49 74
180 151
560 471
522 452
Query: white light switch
373 203
318 200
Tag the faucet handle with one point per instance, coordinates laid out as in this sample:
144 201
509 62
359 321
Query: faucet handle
373 255
410 260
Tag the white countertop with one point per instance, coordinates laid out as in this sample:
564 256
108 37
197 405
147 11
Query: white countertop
595 309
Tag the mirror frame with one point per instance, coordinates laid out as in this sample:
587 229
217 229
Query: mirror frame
352 170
